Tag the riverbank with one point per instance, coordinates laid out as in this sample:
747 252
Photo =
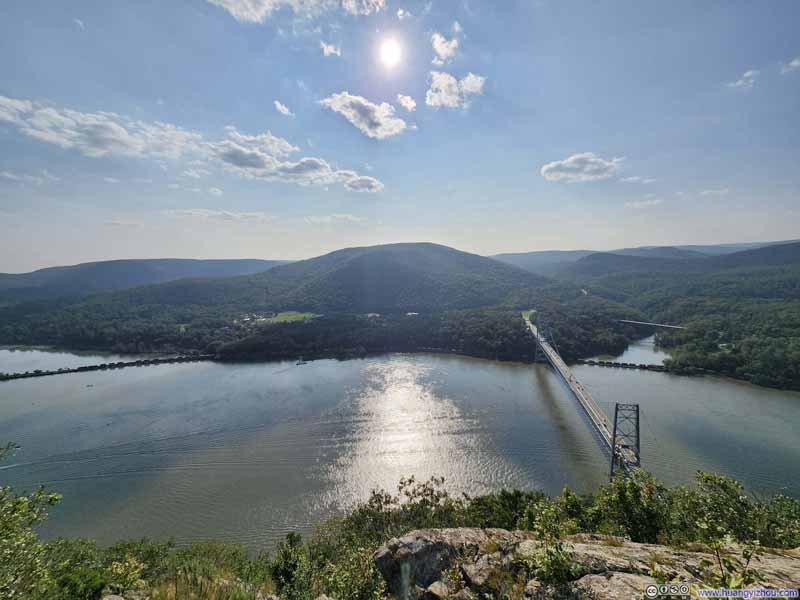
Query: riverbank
349 354
147 362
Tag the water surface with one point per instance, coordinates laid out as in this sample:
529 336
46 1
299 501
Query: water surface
248 452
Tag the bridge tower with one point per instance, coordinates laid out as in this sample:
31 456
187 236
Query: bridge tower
625 437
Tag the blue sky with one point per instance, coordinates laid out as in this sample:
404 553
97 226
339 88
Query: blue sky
279 128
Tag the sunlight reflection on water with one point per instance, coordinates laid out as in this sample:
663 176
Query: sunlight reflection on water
248 452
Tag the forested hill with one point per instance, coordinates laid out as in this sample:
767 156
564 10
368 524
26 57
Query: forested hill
188 313
741 311
89 278
395 277
604 264
577 264
414 277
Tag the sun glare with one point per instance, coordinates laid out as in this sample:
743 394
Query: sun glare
391 53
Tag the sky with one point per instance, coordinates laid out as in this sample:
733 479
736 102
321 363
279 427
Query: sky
284 129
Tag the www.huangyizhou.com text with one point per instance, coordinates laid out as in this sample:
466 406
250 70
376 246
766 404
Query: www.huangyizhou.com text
747 593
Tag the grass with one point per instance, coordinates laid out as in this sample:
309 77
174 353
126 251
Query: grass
529 314
286 317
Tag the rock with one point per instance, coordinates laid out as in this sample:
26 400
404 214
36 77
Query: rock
437 590
532 588
420 557
113 597
322 597
613 586
478 573
465 594
493 562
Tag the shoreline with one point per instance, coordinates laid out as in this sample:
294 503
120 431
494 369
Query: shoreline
175 358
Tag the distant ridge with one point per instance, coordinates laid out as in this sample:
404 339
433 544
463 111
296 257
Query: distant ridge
607 263
555 263
393 277
89 278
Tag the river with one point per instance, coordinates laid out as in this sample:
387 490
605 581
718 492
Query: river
248 452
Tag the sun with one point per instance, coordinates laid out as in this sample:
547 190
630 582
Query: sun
391 53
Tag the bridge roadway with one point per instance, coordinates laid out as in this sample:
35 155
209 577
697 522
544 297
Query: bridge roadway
596 416
651 324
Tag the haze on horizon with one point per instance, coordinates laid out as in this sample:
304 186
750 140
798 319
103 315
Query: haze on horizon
285 129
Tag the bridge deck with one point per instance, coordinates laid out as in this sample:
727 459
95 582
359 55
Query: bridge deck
651 324
596 416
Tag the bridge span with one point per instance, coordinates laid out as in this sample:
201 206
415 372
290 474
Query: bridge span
651 324
597 418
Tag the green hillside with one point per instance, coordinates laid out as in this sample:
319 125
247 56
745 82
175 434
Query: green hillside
89 278
190 313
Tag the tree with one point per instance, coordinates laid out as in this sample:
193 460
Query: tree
23 566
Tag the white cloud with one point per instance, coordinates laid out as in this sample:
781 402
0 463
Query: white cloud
242 147
445 90
257 11
23 178
407 102
220 215
97 134
363 183
283 109
110 179
746 81
377 121
716 192
122 224
49 176
79 23
585 166
403 14
174 186
647 202
791 66
262 156
637 179
330 49
457 29
334 219
196 173
445 49
215 191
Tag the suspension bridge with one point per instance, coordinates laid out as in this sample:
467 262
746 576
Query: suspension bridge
619 440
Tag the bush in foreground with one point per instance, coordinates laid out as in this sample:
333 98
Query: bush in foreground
715 514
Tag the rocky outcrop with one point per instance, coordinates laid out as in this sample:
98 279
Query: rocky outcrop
467 564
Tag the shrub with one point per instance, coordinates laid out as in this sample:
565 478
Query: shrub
778 522
82 583
636 506
23 563
291 569
353 577
552 561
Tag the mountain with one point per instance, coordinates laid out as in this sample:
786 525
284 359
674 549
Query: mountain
773 255
552 263
545 262
394 277
89 278
719 249
659 252
600 264
555 263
